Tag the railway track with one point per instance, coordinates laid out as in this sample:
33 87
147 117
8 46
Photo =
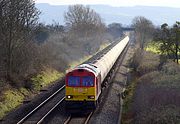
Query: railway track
85 119
38 114
78 120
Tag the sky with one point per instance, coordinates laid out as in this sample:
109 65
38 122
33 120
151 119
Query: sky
164 3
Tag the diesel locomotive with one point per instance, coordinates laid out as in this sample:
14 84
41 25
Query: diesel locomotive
83 83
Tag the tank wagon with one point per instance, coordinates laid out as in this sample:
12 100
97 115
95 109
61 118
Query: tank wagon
83 83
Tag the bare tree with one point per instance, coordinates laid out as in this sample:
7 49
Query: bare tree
115 29
143 29
86 26
18 18
83 20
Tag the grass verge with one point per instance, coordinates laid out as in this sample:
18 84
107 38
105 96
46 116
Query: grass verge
11 98
127 115
45 78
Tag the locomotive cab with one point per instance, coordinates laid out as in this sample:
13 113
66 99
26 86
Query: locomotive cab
82 87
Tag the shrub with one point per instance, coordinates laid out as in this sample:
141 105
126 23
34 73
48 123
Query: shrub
160 115
170 76
171 68
156 99
147 78
167 81
149 62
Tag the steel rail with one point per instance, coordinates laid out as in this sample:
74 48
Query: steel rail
88 118
40 105
41 120
68 120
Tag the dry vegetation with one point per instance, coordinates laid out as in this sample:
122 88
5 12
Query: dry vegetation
34 55
157 94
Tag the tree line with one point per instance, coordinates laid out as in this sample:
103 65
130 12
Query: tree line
168 37
169 40
27 46
17 24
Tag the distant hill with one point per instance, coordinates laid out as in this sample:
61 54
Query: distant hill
124 15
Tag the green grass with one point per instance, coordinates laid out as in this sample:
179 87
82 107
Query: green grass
153 47
127 104
11 99
130 92
45 78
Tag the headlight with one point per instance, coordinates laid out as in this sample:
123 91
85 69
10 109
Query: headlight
91 97
69 97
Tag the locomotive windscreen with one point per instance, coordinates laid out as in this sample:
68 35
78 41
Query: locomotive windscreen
78 81
87 81
73 81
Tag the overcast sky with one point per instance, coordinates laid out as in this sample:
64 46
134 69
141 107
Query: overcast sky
166 3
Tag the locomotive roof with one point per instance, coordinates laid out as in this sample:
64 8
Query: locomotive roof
90 67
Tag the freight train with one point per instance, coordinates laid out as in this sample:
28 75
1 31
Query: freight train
84 82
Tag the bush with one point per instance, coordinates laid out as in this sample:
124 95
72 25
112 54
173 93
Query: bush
156 98
171 68
167 81
160 115
149 62
144 62
147 78
169 76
